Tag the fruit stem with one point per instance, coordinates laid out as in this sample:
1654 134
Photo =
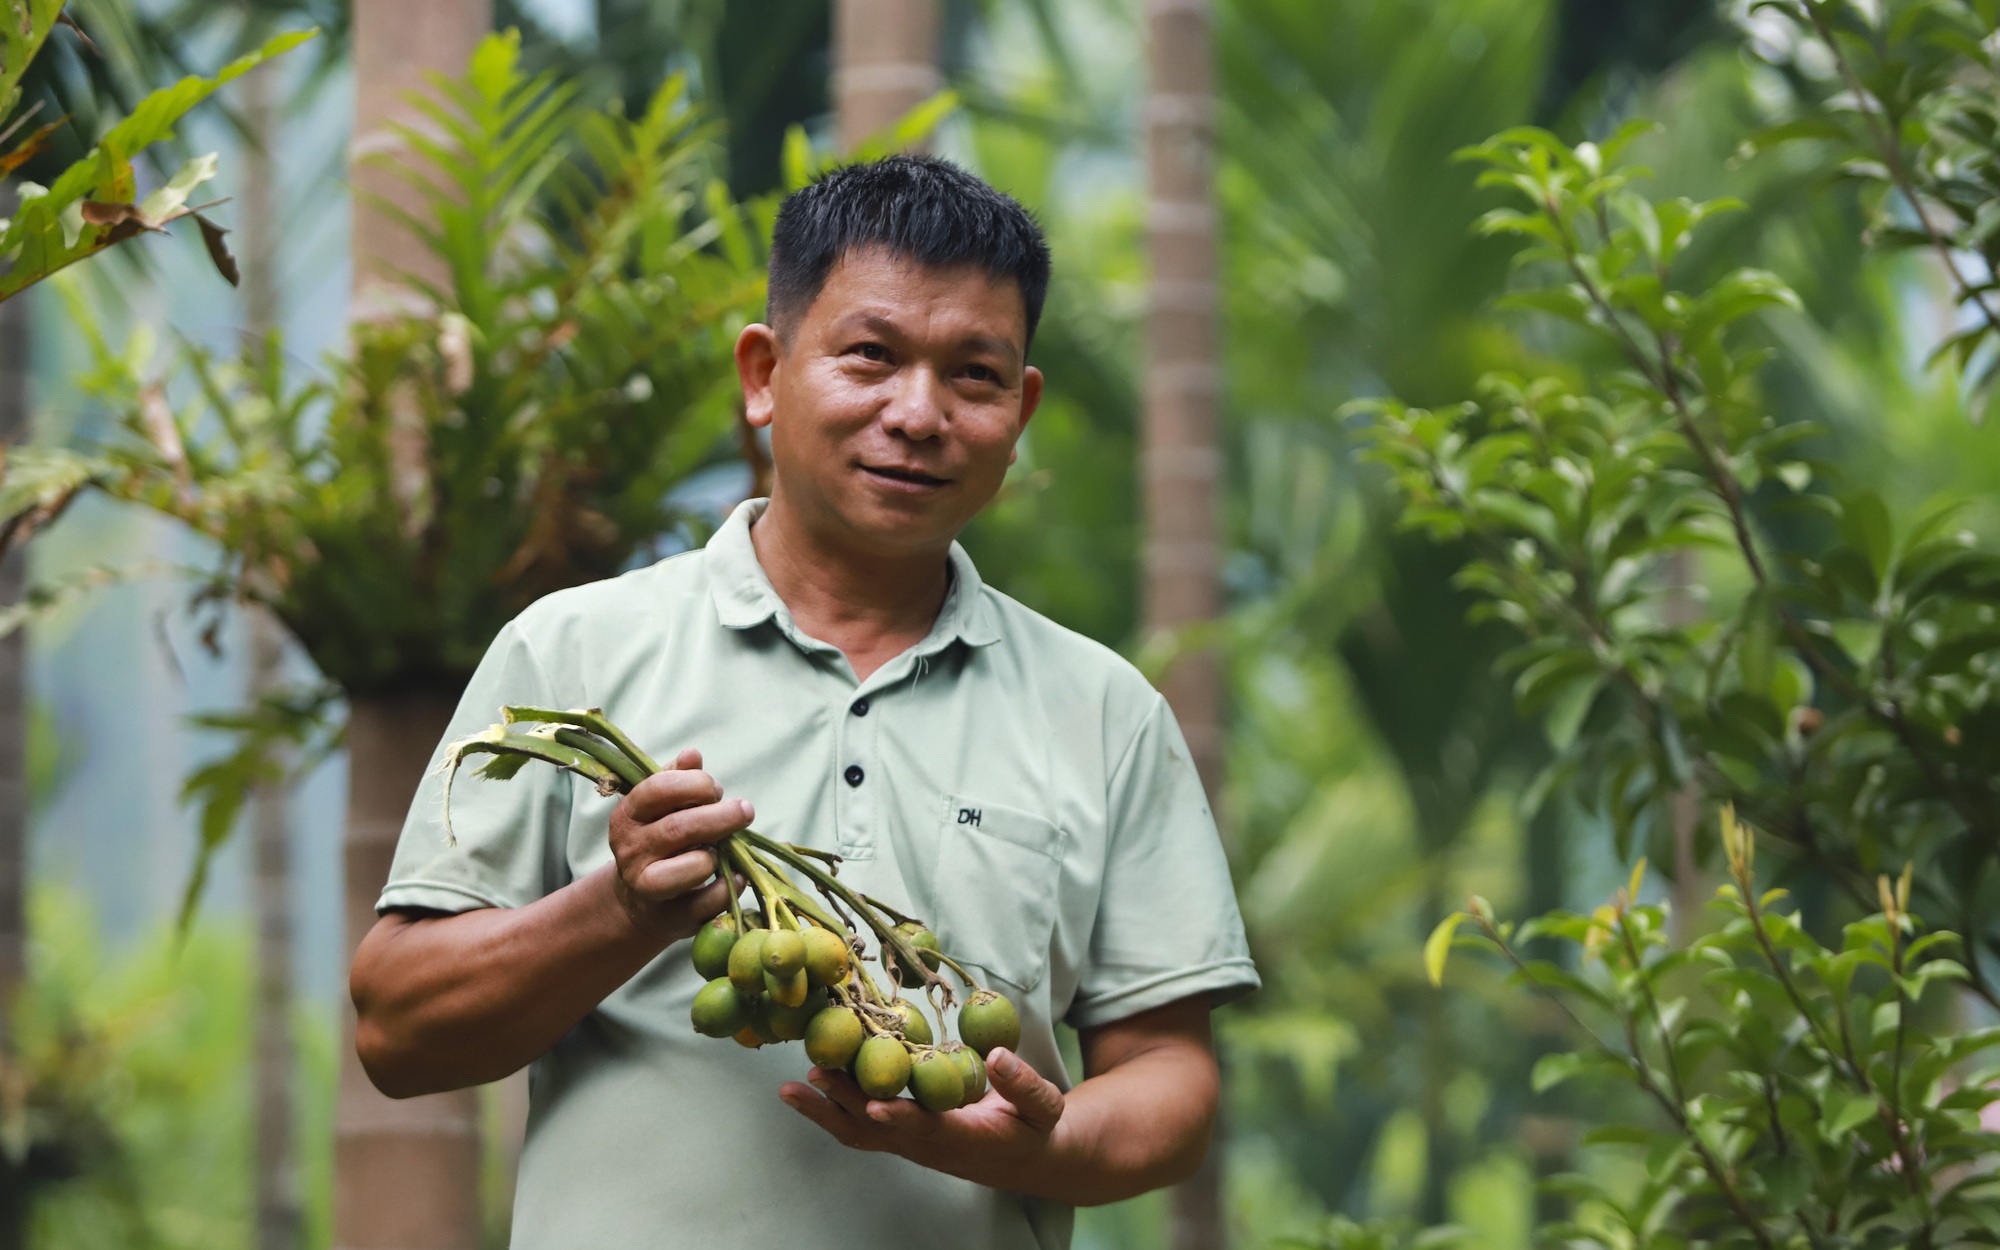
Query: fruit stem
603 752
723 870
906 955
887 910
592 719
760 881
500 741
970 981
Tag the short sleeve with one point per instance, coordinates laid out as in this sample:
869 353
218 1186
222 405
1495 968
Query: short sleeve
510 836
1167 925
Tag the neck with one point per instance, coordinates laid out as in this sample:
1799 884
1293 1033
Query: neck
873 607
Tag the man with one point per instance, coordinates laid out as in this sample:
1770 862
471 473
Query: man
836 660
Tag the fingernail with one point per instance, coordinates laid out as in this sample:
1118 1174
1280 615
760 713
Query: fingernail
1005 1063
749 812
878 1113
819 1083
788 1098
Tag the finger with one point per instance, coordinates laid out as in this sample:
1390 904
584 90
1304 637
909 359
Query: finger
687 830
670 791
688 758
670 878
841 1089
841 1126
708 902
1035 1098
902 1116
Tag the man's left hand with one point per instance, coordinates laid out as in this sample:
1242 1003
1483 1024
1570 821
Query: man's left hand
994 1141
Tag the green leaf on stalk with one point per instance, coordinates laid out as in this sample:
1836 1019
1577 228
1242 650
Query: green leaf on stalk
1437 947
1553 1069
1846 1110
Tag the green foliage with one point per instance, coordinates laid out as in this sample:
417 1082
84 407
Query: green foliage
94 203
1340 1233
281 738
1917 118
1804 1094
130 1088
517 430
1838 685
20 40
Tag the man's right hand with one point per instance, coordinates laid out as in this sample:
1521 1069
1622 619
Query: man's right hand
668 881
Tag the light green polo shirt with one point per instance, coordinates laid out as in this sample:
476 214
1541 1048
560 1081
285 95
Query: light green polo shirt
1020 787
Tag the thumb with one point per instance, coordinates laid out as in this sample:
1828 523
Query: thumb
1035 1098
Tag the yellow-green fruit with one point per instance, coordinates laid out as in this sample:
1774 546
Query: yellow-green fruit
916 1029
936 1082
789 1023
719 1009
989 1022
882 1067
784 953
826 956
926 943
972 1069
746 961
712 943
833 1037
760 1020
787 991
747 1037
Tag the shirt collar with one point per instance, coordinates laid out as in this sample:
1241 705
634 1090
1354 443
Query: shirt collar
744 597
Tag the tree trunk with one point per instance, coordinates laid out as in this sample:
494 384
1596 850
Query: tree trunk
397 45
13 757
279 1205
1181 456
885 63
406 1173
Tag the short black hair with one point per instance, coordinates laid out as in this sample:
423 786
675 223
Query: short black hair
919 207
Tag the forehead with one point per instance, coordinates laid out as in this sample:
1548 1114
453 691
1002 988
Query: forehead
875 284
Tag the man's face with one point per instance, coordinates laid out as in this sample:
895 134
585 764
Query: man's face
895 402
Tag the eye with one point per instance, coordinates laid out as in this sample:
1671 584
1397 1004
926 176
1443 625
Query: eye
982 373
870 351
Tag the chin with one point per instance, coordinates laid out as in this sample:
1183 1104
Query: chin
900 523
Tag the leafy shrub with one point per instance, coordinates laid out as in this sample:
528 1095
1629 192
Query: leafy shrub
1804 1095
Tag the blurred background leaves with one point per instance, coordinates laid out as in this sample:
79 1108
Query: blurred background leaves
1376 760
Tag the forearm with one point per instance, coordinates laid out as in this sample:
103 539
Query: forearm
1138 1127
450 1001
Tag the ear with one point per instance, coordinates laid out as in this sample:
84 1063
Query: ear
1031 399
757 355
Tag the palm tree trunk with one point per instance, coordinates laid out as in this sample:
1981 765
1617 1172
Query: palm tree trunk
280 1205
279 1208
1182 458
406 1174
397 45
13 757
885 63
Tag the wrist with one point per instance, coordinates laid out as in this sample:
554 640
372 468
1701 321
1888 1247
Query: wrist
633 923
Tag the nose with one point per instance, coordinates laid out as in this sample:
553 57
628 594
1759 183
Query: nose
918 411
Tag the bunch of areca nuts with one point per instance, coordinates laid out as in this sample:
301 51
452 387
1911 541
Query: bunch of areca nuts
791 968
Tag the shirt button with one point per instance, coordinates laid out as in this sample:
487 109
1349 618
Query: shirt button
854 774
860 707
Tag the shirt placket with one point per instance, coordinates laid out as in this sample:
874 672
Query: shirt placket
858 775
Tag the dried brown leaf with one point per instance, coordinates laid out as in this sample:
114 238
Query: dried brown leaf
218 251
165 434
29 148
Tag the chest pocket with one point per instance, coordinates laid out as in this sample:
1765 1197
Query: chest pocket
998 869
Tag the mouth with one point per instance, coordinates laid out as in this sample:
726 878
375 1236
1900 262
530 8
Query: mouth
904 478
